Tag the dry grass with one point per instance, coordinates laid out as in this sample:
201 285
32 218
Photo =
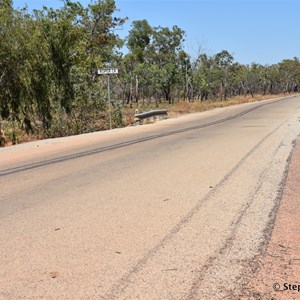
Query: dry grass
186 107
179 108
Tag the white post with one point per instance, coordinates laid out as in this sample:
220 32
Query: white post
109 105
107 71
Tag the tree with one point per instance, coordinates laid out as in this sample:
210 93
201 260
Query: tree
46 58
157 50
290 74
167 44
139 39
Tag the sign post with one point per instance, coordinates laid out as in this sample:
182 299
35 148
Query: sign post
108 71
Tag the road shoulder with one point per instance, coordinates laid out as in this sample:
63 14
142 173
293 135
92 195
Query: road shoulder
277 272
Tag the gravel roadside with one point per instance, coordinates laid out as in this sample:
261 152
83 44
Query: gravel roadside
276 272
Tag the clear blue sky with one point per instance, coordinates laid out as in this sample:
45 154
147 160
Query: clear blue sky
262 31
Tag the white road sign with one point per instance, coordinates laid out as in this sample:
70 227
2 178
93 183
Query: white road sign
107 71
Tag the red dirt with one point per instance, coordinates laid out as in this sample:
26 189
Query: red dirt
279 267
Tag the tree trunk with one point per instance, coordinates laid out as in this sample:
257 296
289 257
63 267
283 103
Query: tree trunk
137 91
130 94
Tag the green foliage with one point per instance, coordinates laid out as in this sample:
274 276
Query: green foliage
47 88
139 39
46 59
117 116
153 61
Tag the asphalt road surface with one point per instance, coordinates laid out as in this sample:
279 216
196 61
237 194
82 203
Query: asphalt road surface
173 210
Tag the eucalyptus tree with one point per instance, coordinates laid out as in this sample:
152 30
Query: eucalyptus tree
139 39
46 58
167 44
155 51
16 93
289 70
135 62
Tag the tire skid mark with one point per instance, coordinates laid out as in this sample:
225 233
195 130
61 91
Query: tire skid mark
235 224
65 158
124 281
267 232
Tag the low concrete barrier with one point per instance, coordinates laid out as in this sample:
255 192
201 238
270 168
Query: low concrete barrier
150 116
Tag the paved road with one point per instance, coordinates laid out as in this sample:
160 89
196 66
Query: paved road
174 210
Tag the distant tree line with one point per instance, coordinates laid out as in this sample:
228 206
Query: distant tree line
47 57
159 68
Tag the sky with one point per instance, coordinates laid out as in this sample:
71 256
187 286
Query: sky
261 31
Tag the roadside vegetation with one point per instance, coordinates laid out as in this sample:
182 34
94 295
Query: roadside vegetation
48 87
